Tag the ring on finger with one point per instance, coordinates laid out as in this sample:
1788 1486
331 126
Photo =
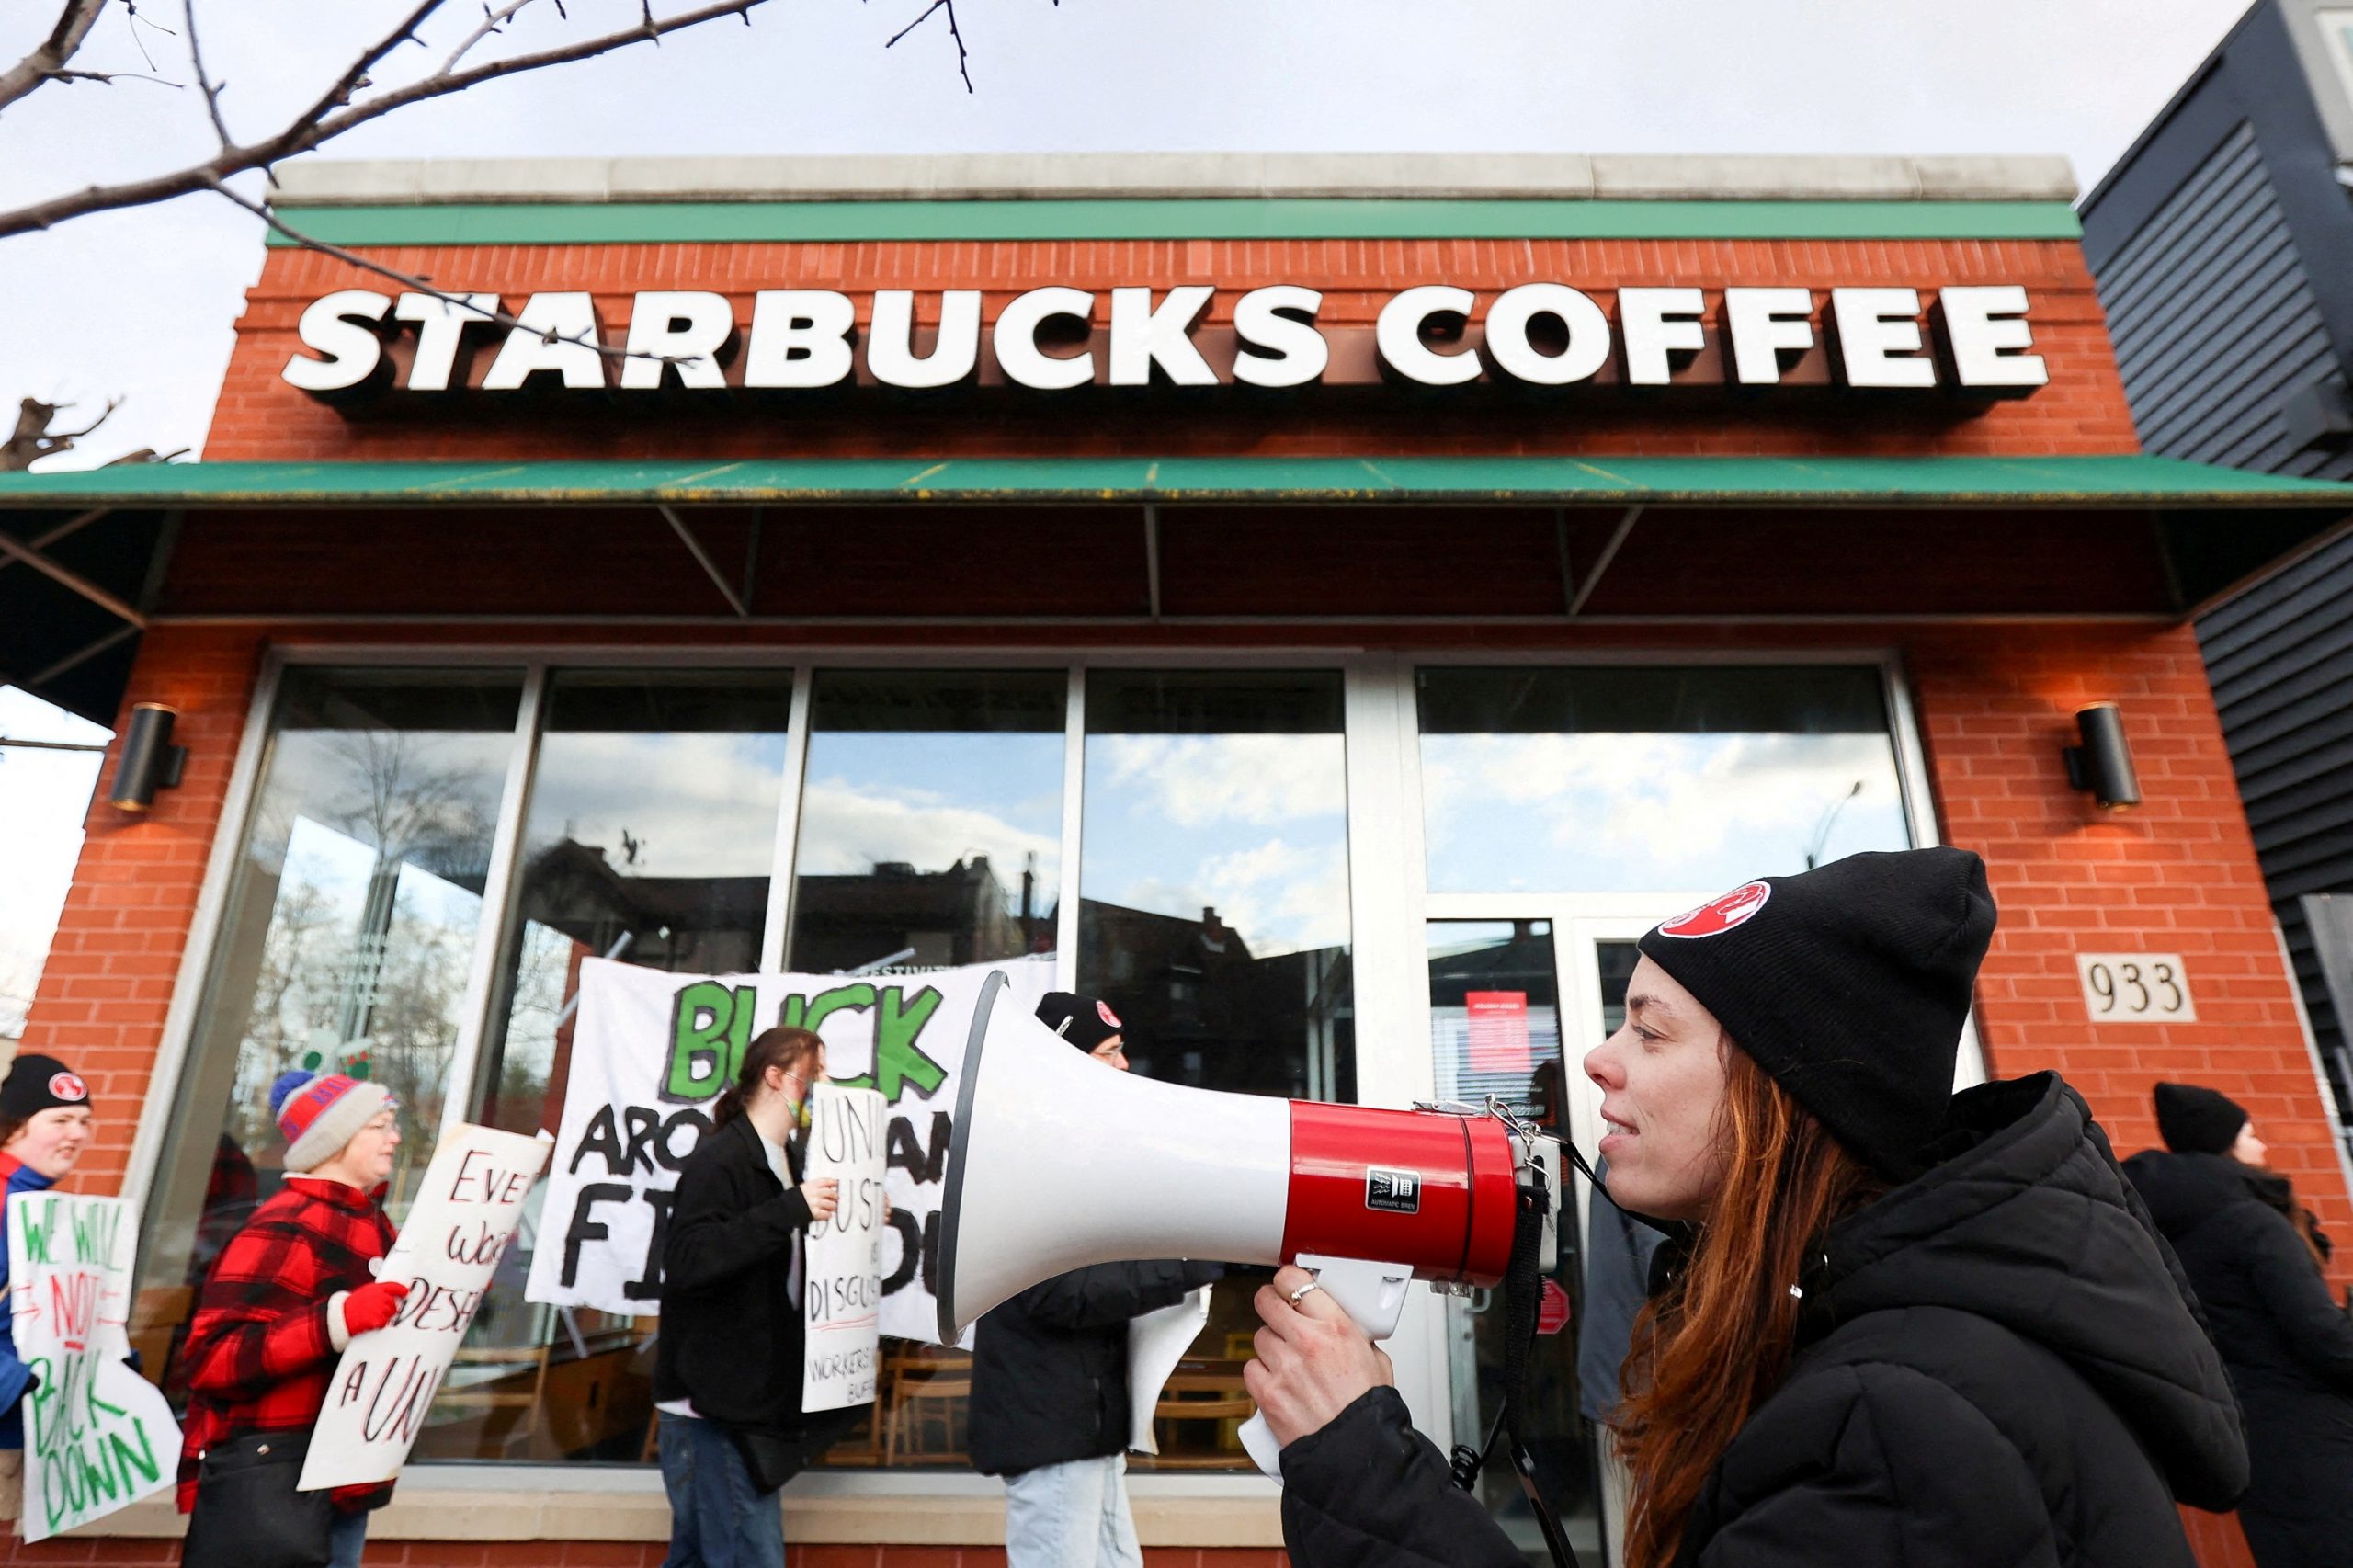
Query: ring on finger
1296 1296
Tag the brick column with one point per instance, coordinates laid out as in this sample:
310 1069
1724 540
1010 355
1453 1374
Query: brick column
110 973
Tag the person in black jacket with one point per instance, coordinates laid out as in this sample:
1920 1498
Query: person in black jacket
1900 1327
727 1362
2242 1239
1049 1408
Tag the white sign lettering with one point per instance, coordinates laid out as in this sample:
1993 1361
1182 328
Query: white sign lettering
1972 340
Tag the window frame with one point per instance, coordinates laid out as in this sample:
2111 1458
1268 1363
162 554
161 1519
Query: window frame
1389 906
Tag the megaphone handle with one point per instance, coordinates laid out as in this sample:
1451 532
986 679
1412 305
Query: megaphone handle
1373 1294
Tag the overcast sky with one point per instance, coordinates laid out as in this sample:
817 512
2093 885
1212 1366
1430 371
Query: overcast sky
141 304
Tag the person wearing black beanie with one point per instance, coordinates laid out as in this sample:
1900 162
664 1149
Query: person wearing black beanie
2194 1120
2255 1255
1893 1323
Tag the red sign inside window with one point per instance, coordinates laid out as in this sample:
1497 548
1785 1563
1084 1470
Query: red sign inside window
1498 1031
1553 1309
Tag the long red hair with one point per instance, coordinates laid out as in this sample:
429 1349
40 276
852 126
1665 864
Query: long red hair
1717 1342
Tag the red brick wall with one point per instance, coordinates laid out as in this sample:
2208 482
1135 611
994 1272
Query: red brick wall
111 969
2178 874
2082 411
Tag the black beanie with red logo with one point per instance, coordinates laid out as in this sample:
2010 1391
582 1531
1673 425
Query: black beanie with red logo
1850 985
37 1083
1084 1022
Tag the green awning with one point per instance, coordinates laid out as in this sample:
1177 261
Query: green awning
2160 483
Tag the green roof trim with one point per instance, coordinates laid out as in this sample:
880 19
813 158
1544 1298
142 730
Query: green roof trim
557 223
2165 483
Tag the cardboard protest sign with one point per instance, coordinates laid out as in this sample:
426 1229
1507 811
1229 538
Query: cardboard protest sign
651 1053
97 1436
462 1222
842 1264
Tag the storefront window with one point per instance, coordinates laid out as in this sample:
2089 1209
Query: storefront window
1625 779
1213 917
930 821
650 839
345 947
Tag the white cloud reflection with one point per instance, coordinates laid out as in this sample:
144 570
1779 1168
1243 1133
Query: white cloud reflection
1647 811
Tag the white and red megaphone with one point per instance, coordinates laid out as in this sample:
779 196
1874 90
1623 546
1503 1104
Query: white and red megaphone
1056 1163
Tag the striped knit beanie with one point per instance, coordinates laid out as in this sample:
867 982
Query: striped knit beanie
318 1116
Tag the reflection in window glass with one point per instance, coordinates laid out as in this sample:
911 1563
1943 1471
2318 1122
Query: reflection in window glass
931 819
1496 1028
649 839
1215 906
345 947
1635 779
1214 919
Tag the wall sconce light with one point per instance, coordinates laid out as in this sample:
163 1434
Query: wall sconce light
149 762
2103 763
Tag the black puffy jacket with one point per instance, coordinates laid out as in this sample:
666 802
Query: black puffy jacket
2289 1347
731 1337
1997 1364
1050 1367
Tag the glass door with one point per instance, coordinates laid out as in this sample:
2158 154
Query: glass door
1515 1002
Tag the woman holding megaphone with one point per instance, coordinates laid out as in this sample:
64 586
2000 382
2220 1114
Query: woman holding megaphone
727 1364
1894 1324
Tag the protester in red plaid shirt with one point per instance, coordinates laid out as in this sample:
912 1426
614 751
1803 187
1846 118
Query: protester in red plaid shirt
288 1292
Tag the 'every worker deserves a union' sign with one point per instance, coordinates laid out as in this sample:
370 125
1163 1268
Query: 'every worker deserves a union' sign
463 1220
97 1436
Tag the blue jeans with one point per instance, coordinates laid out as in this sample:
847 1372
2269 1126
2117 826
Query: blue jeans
716 1519
1071 1515
346 1537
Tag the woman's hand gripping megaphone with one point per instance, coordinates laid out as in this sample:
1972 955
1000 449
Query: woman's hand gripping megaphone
1313 1359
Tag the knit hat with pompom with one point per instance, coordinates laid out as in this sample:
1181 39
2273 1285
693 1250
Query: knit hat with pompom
318 1116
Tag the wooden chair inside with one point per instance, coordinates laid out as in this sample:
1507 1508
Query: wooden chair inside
928 1392
493 1394
1200 1396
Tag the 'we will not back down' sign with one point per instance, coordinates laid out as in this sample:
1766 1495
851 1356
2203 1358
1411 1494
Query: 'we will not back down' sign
97 1436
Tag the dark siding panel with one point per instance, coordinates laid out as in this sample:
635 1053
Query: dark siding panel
2215 321
2213 318
2282 659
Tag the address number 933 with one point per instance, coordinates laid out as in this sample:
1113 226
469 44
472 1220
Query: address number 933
2136 988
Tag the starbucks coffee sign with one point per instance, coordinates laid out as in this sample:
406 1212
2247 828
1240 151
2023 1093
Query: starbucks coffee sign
1974 341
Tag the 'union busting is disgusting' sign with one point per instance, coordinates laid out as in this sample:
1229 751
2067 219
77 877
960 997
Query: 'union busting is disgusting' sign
650 1055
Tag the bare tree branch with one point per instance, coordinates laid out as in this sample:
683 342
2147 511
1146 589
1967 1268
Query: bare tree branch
953 31
204 83
492 22
49 58
427 286
108 78
325 119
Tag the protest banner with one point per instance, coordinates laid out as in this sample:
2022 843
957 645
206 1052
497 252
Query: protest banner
97 1436
462 1222
651 1053
842 1265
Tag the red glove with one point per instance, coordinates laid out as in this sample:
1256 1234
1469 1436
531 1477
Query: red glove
370 1307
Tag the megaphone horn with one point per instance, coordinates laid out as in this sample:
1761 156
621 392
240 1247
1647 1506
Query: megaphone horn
1056 1163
